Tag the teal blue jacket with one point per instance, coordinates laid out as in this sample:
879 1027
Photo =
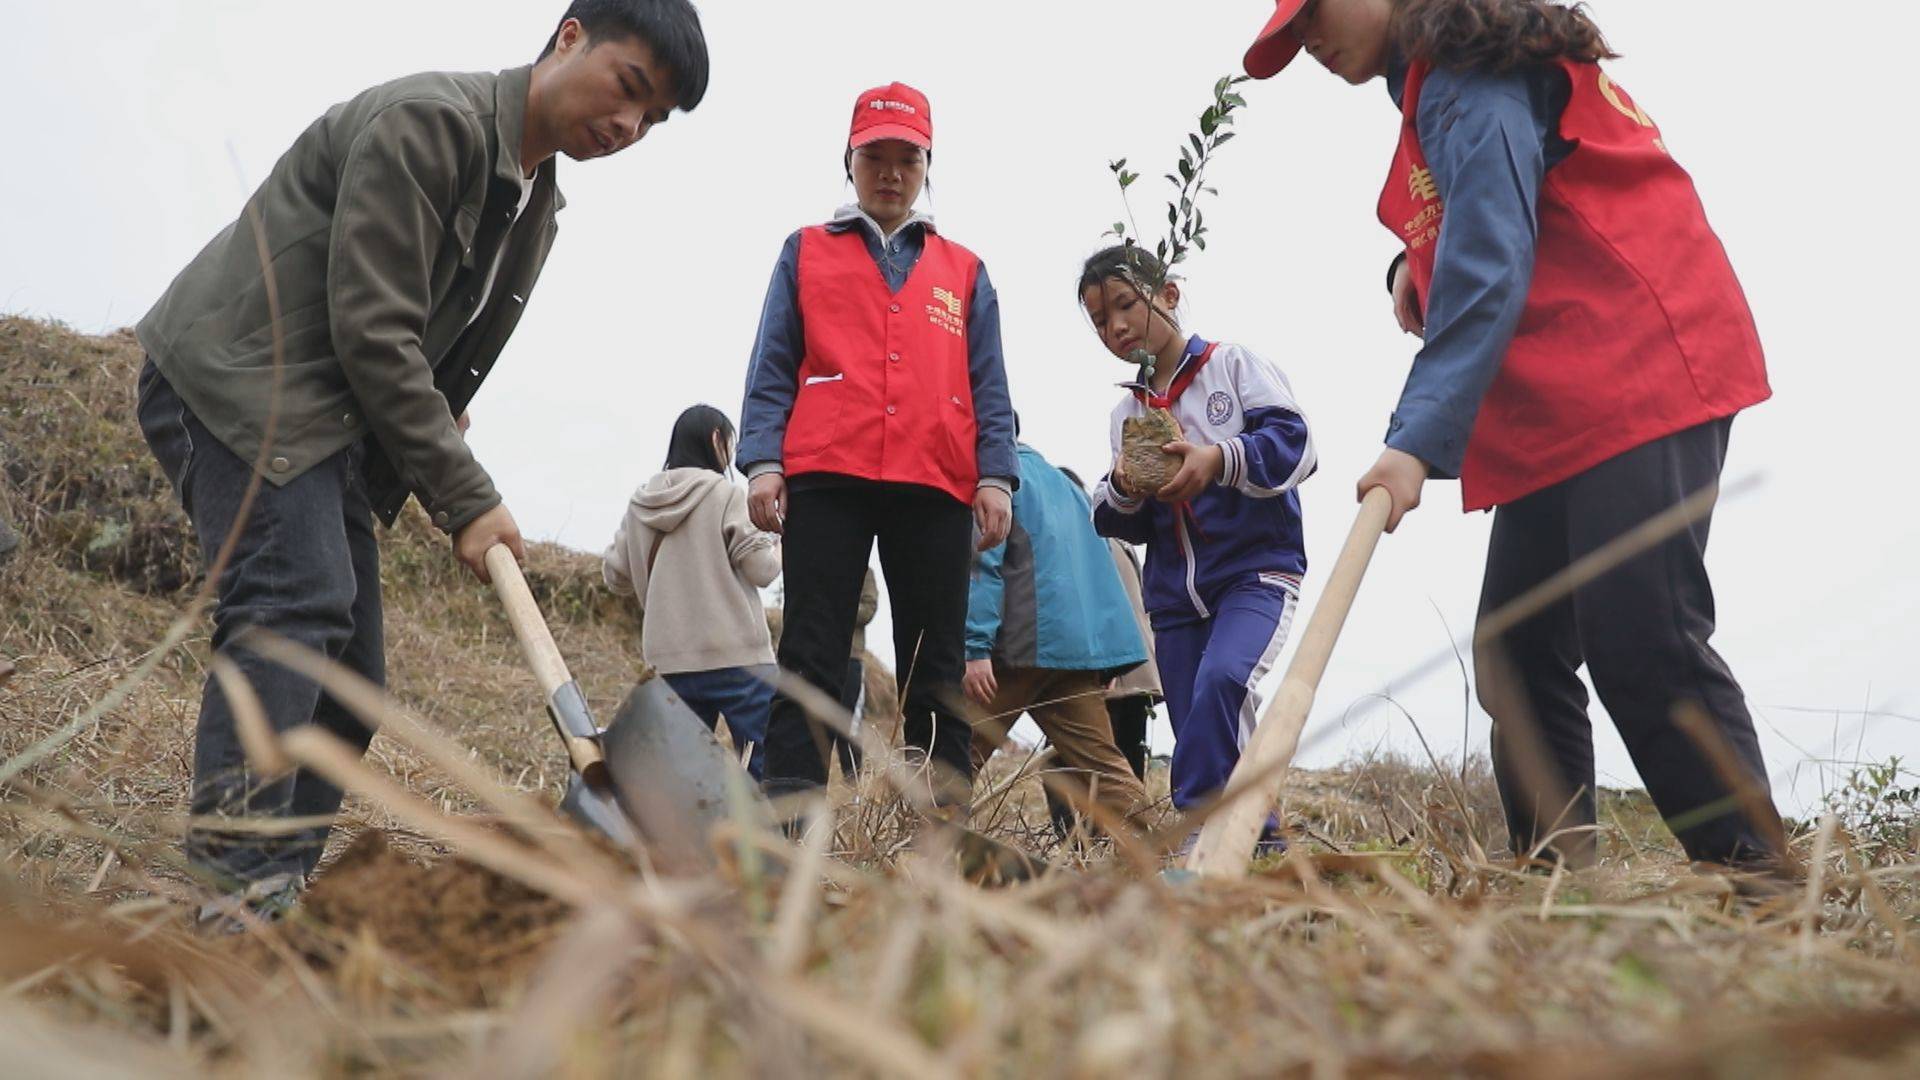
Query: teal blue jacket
1049 596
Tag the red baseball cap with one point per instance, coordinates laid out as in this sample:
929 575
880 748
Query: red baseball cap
893 111
1276 46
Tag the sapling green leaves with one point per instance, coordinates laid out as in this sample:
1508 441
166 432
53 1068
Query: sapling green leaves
1186 227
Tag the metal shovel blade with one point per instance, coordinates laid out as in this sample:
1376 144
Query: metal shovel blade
592 803
674 779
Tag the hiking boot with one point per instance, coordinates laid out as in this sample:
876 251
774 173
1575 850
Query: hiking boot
267 900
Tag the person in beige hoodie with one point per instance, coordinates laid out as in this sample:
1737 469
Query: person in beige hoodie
688 553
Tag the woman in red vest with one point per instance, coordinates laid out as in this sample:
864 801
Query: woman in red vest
877 410
1585 348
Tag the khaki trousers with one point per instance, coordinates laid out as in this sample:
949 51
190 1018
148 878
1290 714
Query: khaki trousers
1071 711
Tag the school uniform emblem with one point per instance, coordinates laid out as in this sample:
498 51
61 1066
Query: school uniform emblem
1219 408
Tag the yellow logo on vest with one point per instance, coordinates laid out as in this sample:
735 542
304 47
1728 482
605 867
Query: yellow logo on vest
1420 184
1628 108
946 312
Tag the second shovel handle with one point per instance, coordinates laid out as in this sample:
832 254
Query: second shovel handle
1228 838
528 624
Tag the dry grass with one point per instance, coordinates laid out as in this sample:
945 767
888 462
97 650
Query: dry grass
1389 943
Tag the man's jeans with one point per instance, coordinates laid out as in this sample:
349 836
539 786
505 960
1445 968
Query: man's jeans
306 566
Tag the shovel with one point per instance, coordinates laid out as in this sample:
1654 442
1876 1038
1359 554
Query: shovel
657 776
1228 838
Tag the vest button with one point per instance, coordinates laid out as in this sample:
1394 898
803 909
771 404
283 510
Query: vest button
279 464
894 356
895 308
891 410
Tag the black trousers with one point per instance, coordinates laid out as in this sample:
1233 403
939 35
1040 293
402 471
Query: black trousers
849 749
926 547
1642 630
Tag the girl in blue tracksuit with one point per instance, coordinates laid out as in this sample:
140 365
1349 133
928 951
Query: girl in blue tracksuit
1225 553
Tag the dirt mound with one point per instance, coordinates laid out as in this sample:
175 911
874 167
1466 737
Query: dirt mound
76 477
466 932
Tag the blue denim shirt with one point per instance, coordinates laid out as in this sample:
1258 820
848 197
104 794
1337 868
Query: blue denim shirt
773 372
1489 140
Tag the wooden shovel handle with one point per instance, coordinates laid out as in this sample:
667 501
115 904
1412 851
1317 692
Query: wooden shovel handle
1227 839
537 643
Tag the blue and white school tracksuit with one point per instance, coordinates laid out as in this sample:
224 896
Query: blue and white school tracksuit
1223 570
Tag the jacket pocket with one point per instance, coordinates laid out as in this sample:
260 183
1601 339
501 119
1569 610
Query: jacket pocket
816 415
963 434
300 331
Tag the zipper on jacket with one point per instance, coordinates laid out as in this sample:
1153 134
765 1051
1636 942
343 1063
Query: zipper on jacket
1186 553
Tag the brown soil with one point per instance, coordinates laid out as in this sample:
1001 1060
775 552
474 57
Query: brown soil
1148 467
466 932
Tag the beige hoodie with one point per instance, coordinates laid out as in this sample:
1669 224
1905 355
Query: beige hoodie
701 596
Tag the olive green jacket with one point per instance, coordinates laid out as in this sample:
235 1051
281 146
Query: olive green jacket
380 225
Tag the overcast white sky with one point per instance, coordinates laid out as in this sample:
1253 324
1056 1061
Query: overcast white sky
123 122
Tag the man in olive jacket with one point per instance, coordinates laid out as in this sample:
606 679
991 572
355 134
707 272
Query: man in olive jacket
404 231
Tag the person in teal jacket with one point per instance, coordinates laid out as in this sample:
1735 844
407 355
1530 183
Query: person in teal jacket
1048 625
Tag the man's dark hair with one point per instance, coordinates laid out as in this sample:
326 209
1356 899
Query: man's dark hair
671 28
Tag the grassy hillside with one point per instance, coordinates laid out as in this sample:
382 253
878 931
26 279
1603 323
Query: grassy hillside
1395 940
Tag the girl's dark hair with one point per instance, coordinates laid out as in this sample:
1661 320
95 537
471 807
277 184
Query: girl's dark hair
1494 35
1129 264
691 446
671 28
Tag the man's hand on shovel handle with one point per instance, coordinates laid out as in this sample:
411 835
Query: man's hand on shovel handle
1402 475
767 502
496 526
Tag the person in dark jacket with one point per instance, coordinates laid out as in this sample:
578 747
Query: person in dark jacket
1586 346
406 229
877 412
1048 626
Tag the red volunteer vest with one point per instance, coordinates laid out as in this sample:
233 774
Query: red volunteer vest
884 387
1635 326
